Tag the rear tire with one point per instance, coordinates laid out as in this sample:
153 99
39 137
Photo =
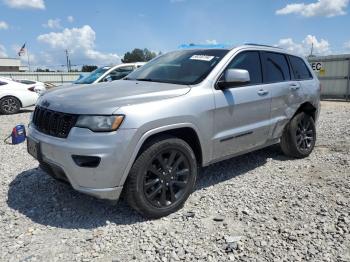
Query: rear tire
9 105
299 136
162 177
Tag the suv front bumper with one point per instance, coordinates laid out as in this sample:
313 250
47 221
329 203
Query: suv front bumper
103 181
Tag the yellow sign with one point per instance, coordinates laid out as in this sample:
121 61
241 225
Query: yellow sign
322 72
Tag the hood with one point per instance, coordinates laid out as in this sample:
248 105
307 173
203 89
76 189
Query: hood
105 98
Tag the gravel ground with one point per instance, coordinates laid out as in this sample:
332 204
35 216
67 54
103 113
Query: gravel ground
258 207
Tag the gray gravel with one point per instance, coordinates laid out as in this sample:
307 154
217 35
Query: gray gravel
258 207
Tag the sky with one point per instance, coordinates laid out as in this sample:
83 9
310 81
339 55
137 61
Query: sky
100 32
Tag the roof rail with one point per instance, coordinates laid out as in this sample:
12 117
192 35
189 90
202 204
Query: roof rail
204 46
263 45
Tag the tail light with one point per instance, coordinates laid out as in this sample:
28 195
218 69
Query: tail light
31 89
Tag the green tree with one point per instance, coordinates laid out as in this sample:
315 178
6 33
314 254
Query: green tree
42 70
138 55
88 68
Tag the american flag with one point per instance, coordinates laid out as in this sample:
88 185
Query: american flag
22 50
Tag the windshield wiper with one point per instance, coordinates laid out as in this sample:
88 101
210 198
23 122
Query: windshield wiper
139 79
156 80
146 79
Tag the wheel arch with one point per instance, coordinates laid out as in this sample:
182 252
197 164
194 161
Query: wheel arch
19 100
307 108
187 132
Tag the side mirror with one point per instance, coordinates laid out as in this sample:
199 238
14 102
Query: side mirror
233 77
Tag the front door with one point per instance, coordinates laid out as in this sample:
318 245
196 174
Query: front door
242 114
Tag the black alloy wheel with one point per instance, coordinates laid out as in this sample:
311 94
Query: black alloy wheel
305 135
299 136
166 178
162 177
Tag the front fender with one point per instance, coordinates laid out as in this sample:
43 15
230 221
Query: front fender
141 138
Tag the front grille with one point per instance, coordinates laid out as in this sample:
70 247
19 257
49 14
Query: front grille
53 123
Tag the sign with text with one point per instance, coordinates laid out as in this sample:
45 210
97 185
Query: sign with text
317 66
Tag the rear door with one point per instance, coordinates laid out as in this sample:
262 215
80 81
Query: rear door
285 91
302 75
242 114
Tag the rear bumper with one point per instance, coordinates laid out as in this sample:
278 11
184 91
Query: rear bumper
103 181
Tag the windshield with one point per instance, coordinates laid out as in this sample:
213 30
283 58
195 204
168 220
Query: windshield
185 67
90 78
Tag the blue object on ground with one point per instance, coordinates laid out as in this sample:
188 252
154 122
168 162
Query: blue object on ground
18 134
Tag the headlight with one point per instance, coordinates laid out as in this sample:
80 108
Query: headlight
100 123
31 117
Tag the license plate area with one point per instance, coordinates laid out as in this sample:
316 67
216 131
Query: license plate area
33 148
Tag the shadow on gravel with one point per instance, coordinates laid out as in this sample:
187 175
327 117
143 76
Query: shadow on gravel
49 202
228 169
25 110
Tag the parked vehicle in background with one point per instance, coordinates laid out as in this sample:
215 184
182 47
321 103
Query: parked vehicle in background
146 135
49 85
39 87
81 76
108 73
15 95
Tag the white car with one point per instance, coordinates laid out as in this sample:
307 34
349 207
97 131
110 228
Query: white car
109 73
14 96
39 87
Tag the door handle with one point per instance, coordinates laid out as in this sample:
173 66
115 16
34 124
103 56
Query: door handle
294 87
262 92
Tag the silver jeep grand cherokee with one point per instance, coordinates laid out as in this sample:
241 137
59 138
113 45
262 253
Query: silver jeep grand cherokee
148 134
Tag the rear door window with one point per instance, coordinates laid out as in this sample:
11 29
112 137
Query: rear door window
276 68
249 61
300 69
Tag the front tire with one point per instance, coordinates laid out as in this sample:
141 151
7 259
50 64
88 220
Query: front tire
9 105
162 177
299 136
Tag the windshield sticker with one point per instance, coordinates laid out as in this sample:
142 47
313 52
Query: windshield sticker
202 57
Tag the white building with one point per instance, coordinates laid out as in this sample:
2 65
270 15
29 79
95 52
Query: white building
11 65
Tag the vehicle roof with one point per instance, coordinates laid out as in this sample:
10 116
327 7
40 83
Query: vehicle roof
263 47
124 64
10 81
251 46
268 48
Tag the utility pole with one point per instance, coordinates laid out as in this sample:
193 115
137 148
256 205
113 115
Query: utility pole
28 59
67 58
312 49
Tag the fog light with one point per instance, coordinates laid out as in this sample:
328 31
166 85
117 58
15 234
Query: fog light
86 161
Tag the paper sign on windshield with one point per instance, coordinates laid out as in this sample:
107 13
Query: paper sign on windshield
202 57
